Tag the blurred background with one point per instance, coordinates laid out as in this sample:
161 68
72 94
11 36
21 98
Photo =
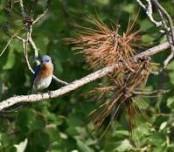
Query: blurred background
62 124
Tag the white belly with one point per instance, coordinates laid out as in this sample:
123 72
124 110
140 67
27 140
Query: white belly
42 83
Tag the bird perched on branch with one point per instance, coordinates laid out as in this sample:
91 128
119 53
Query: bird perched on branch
43 74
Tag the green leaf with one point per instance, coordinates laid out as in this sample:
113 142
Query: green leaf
21 146
124 145
170 102
83 147
10 62
129 8
163 125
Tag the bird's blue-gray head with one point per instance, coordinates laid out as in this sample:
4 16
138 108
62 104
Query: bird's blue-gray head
45 59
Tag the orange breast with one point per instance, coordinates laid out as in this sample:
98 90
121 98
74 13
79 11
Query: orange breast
47 70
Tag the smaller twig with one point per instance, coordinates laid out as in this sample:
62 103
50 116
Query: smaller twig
20 38
150 93
166 23
60 81
6 46
141 4
168 26
28 26
25 44
22 8
9 42
40 16
33 45
168 59
168 18
168 36
30 39
149 12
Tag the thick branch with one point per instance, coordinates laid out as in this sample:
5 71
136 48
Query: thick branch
76 84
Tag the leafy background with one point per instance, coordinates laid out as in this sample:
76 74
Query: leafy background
62 124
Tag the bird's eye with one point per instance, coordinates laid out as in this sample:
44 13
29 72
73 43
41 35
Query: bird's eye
46 60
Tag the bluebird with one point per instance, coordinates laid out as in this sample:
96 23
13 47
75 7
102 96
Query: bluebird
43 74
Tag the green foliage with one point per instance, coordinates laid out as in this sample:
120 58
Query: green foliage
61 124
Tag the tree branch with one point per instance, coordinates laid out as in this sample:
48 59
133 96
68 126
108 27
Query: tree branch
77 83
168 27
165 25
149 12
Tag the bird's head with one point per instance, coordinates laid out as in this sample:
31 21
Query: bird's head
45 59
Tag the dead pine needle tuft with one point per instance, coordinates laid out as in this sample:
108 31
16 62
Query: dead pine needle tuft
121 95
103 46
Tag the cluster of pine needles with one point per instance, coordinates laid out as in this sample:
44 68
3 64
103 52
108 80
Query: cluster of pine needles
103 46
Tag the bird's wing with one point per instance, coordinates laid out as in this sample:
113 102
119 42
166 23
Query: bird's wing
36 71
